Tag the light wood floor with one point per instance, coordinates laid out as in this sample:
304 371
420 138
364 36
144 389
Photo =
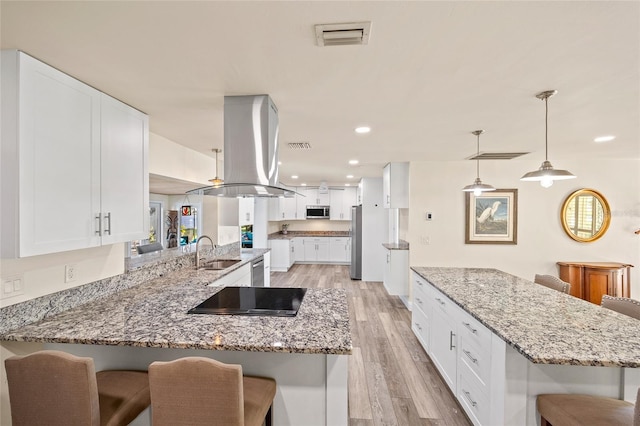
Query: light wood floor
391 379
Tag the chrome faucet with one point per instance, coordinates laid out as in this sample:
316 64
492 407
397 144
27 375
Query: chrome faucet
213 246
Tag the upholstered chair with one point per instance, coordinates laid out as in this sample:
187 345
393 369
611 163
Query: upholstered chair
553 283
202 391
624 305
55 388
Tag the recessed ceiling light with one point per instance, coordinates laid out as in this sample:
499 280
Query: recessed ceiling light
353 161
279 163
303 184
363 129
349 176
604 138
294 176
347 184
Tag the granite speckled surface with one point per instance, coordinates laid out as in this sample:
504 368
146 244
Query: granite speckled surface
154 314
544 325
400 245
293 234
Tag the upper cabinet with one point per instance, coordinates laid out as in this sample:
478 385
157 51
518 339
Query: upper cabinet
341 202
74 163
315 197
395 186
246 208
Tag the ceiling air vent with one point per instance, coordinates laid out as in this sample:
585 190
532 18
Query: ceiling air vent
299 145
497 155
343 34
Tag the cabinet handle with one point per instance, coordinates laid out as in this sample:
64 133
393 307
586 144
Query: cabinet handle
468 395
99 231
451 336
418 326
419 283
248 217
387 257
468 354
283 215
473 330
108 217
440 301
387 199
418 300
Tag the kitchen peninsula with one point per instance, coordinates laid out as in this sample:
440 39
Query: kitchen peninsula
306 354
499 340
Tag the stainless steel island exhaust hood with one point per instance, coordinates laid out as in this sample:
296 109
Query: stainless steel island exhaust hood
250 150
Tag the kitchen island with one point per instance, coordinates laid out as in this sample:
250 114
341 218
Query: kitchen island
306 354
499 340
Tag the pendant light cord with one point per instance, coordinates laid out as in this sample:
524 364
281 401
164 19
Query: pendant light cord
546 128
478 156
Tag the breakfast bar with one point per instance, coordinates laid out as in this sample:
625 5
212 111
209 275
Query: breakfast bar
306 354
499 340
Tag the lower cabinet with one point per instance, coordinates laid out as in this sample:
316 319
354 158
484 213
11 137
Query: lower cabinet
240 277
461 349
267 269
396 273
285 252
316 249
591 280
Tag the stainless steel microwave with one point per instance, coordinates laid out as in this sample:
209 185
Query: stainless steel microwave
317 212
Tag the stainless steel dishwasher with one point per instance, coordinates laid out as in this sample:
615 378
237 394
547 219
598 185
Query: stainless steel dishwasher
257 272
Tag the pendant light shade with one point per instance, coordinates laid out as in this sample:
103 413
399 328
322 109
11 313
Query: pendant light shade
477 187
216 181
546 174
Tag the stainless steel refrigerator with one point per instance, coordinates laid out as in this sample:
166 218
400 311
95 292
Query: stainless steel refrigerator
356 243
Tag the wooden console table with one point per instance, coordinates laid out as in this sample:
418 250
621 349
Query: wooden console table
591 280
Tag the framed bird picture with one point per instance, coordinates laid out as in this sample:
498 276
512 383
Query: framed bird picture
492 217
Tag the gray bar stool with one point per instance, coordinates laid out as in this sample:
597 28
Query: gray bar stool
552 282
202 391
55 388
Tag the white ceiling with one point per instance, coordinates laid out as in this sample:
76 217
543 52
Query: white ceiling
431 73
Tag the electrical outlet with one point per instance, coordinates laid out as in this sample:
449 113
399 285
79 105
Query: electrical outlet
69 273
12 286
428 216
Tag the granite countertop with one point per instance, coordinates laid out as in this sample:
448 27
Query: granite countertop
294 234
544 325
154 314
400 245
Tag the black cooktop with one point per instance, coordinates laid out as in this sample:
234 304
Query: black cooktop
268 301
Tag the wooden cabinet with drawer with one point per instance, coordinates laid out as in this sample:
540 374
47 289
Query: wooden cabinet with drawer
591 280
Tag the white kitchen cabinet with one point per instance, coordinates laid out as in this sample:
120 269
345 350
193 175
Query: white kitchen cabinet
395 188
298 249
316 249
284 208
281 259
340 249
267 269
240 277
314 197
74 163
341 201
245 211
462 349
124 178
396 273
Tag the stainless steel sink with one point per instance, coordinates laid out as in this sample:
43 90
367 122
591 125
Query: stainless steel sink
219 264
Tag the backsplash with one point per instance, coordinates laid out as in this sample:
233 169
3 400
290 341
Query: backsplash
140 270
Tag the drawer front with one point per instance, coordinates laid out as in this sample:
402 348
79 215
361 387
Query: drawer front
420 326
473 397
442 302
421 292
477 359
471 328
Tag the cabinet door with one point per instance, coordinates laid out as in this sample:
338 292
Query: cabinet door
267 269
124 172
349 199
279 255
245 211
301 203
322 250
58 161
443 341
336 207
298 250
338 250
386 186
310 251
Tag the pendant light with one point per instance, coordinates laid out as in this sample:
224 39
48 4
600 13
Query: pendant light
478 187
546 174
216 181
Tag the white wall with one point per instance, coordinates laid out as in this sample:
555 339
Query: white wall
436 187
167 158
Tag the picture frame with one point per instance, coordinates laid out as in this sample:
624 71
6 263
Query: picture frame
492 217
